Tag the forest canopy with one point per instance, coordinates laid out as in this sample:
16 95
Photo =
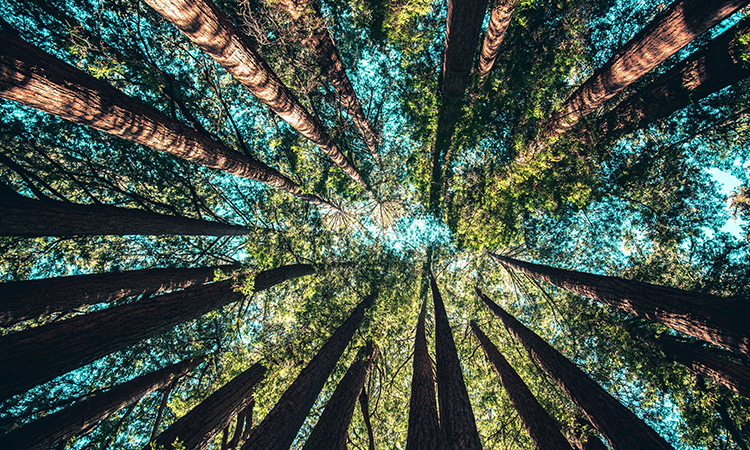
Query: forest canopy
246 224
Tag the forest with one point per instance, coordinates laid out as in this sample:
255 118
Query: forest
374 224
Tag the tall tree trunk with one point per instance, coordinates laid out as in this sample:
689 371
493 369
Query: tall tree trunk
424 426
38 355
671 30
721 321
22 300
211 30
38 80
307 16
456 417
499 21
200 425
463 29
623 429
23 216
718 65
80 418
544 432
332 428
280 426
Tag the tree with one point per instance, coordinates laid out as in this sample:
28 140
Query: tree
502 12
198 427
279 428
332 427
38 355
78 419
619 426
544 432
23 300
457 423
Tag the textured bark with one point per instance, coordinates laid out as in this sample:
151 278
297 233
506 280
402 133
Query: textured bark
668 32
332 428
38 80
721 321
424 425
280 426
200 425
623 429
456 417
38 355
211 30
22 300
80 418
23 216
499 21
718 65
544 432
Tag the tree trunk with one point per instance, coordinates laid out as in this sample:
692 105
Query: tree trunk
499 21
23 216
721 321
306 15
718 65
332 428
544 432
211 30
623 429
40 354
424 425
197 428
38 80
671 30
84 415
23 300
456 417
365 407
280 426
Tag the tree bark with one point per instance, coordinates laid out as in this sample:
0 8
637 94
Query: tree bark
718 65
544 432
40 354
499 21
671 30
456 417
623 429
211 30
721 321
197 428
38 80
332 428
280 426
84 415
424 426
23 300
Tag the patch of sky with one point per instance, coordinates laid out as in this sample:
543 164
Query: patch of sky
410 233
728 183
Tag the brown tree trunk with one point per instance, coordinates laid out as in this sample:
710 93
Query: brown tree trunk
307 16
211 30
22 300
280 426
38 80
23 216
332 428
200 425
623 429
499 21
544 432
38 355
365 407
718 65
424 426
456 417
80 418
721 321
671 30
463 29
